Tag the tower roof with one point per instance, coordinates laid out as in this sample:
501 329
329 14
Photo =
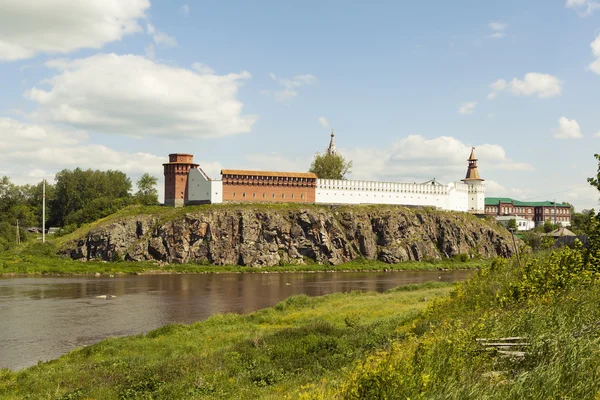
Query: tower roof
331 150
472 171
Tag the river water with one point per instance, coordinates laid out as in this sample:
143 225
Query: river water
42 318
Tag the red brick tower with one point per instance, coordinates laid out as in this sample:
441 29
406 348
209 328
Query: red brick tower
176 178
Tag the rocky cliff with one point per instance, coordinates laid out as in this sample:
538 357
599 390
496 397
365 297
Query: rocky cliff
263 235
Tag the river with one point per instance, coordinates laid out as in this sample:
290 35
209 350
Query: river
42 318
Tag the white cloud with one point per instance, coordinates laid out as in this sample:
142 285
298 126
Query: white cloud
467 108
492 96
203 69
597 134
185 10
568 129
289 86
498 85
28 28
542 85
323 121
133 95
498 30
161 38
416 159
583 7
37 151
595 45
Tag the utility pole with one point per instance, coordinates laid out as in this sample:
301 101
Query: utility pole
555 211
18 233
44 211
512 231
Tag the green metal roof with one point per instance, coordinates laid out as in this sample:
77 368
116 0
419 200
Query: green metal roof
494 201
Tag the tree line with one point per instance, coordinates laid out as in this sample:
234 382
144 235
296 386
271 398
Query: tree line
76 197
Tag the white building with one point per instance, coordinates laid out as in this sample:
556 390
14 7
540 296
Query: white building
523 224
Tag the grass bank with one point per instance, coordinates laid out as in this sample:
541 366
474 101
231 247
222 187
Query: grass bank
41 259
267 354
394 345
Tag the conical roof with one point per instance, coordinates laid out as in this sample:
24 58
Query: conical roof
472 171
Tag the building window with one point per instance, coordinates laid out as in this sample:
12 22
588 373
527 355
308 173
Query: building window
292 195
283 195
244 194
273 195
264 195
233 194
253 194
301 196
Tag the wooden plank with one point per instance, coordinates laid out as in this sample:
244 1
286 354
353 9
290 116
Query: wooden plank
506 344
500 339
512 353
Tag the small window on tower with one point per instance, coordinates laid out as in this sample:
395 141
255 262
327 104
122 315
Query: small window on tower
233 194
243 194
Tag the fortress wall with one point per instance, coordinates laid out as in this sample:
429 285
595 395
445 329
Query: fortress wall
330 191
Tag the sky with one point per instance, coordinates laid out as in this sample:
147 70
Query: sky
409 88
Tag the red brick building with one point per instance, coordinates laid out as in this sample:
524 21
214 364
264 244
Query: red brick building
267 186
176 178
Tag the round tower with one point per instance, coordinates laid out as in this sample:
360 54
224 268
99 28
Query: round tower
176 178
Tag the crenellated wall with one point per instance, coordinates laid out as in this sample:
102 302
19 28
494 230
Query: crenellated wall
454 196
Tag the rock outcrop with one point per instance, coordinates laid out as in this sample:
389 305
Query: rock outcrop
263 236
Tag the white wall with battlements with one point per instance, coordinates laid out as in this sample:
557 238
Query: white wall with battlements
454 196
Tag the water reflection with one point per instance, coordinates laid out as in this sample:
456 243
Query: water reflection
42 318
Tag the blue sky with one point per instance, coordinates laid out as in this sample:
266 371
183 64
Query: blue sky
408 86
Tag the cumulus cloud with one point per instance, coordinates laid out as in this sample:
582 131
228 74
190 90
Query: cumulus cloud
160 38
542 85
185 10
498 30
595 45
289 86
583 7
467 108
415 159
133 95
323 121
28 28
37 150
568 129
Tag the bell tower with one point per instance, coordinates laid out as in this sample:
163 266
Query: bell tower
176 178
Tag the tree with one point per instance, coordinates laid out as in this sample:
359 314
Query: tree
84 196
330 166
147 193
512 224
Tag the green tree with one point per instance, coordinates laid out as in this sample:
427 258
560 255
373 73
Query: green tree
581 222
330 166
512 224
83 196
147 193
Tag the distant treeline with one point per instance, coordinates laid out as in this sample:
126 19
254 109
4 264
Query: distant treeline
77 197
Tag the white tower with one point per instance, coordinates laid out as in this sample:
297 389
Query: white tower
476 201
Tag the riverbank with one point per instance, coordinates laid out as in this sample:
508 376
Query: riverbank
38 259
262 355
412 342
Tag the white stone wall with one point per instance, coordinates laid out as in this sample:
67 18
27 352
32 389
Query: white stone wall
446 197
203 190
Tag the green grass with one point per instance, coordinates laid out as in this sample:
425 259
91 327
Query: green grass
266 354
41 259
